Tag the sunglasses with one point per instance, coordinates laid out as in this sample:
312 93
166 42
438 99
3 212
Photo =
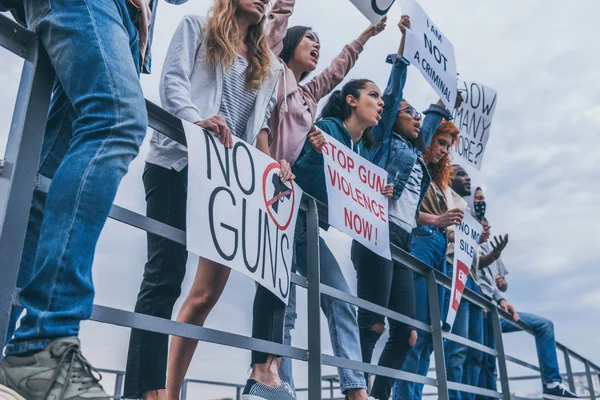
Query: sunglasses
412 111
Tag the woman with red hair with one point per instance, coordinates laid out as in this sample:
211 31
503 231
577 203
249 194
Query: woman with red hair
428 243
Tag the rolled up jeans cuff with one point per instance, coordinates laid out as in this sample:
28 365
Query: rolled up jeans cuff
27 346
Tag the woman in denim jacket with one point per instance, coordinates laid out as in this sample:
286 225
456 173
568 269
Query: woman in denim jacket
399 139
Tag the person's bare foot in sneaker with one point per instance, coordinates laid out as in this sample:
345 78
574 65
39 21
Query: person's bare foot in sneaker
264 381
357 394
58 372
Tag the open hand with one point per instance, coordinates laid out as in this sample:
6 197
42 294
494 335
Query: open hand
375 30
217 125
498 245
404 24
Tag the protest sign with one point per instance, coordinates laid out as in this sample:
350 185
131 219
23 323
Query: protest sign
239 213
466 244
430 52
374 10
356 205
474 119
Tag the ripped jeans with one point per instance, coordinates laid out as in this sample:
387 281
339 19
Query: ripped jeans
390 285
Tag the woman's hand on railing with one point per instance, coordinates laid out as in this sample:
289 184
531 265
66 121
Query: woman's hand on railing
285 171
388 190
218 126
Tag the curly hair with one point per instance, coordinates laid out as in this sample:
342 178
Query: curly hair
441 173
221 40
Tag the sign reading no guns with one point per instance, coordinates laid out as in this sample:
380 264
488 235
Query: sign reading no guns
430 52
474 119
239 213
356 205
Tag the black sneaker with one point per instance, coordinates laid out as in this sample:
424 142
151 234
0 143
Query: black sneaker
255 390
558 392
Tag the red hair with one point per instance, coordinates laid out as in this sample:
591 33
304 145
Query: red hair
441 173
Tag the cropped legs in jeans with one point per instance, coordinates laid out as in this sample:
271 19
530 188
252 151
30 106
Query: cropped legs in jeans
161 285
90 150
341 316
545 343
487 377
428 244
390 285
468 324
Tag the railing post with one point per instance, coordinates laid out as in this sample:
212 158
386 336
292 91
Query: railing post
493 313
569 370
17 180
313 302
436 333
119 385
238 393
184 389
590 381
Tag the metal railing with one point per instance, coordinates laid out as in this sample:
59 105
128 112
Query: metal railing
19 179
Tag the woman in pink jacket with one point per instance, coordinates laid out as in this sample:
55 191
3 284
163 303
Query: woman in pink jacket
291 121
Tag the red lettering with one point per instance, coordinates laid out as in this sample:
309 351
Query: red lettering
350 163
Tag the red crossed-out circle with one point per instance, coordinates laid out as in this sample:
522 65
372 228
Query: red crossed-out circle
271 167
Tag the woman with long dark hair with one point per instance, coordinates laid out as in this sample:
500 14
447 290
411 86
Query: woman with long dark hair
348 116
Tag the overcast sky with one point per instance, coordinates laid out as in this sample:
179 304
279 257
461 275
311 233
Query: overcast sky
540 172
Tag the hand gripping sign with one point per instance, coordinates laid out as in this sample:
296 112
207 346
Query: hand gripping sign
356 205
239 213
466 244
474 119
374 10
431 52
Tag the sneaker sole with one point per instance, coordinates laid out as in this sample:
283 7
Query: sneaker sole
9 394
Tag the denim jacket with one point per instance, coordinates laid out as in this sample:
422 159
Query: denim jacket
391 152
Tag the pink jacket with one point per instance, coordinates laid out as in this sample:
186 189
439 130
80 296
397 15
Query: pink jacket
296 107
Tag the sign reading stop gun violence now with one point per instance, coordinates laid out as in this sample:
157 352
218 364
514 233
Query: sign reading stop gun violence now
430 52
356 205
239 213
466 244
474 119
374 10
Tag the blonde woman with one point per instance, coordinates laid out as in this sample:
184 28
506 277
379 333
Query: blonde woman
219 74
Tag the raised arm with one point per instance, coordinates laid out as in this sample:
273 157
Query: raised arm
278 23
393 93
433 118
175 87
322 84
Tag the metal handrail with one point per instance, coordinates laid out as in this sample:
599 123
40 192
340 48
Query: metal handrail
18 177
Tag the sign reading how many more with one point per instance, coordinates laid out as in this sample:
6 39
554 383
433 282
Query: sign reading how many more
239 213
466 245
474 119
430 52
356 205
374 10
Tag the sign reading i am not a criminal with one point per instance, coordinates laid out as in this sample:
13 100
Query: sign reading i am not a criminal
356 205
466 244
430 52
374 10
239 213
474 119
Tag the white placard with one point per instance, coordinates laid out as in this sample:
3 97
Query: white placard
356 205
430 52
466 244
474 119
374 10
239 214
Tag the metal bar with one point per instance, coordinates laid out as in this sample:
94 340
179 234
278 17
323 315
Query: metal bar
214 383
570 375
474 389
238 393
590 381
168 327
436 333
469 343
21 163
348 298
522 363
331 388
119 385
375 369
313 302
16 38
501 355
184 389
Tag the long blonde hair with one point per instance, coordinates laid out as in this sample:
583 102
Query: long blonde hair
221 42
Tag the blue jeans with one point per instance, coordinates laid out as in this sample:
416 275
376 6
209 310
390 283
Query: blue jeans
96 124
341 316
487 377
544 342
428 244
463 364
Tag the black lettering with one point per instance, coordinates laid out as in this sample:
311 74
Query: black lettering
267 240
249 191
378 10
211 219
285 265
244 228
224 167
